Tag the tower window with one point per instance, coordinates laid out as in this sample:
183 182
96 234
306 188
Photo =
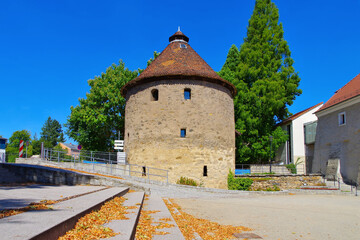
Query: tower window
182 46
342 118
154 95
143 171
183 132
205 171
187 93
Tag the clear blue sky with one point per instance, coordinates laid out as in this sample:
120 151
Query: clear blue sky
49 49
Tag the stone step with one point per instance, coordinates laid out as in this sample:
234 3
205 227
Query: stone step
155 203
51 224
127 227
175 211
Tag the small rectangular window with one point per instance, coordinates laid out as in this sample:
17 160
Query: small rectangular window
154 95
205 171
187 94
183 133
143 171
342 118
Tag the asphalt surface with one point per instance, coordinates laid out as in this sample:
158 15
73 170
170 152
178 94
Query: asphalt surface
285 217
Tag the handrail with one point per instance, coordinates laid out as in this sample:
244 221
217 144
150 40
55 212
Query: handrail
108 164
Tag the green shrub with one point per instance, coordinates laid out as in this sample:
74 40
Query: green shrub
271 189
291 167
238 183
187 181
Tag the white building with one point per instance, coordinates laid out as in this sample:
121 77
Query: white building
301 128
2 149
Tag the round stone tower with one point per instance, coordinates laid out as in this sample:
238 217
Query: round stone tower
179 116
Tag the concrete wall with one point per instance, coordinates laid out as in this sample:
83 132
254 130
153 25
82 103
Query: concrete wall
339 142
152 130
40 174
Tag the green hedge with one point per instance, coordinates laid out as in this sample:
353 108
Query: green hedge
238 183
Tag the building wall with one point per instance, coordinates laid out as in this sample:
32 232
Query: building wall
298 147
2 155
298 132
339 142
152 130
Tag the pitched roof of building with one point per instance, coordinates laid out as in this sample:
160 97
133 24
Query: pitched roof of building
70 146
178 61
296 115
350 90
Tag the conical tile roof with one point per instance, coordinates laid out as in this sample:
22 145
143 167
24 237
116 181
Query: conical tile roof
178 61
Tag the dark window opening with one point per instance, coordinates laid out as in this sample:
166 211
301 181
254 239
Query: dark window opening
187 93
205 171
154 95
342 118
144 171
183 133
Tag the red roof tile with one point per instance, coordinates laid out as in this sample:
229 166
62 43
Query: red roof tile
296 115
178 61
350 90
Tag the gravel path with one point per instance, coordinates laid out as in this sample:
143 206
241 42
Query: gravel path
283 217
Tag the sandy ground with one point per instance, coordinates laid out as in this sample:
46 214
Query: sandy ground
287 217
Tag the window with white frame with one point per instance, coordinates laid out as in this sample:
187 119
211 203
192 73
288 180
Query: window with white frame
342 118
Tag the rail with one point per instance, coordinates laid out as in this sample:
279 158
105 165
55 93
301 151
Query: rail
243 169
105 162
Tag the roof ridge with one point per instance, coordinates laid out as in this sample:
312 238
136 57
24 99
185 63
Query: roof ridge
299 114
347 83
350 90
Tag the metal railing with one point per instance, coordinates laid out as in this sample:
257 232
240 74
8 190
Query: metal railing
105 162
243 169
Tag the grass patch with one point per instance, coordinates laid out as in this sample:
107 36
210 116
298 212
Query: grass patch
187 181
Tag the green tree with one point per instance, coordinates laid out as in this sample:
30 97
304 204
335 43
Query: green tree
94 123
12 148
232 61
266 82
52 133
36 144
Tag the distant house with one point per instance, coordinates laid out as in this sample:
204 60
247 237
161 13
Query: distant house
2 149
301 128
338 134
70 148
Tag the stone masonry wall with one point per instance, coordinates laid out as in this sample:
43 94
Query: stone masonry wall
284 182
152 130
339 142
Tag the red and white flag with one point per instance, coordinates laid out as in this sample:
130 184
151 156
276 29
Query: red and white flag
21 148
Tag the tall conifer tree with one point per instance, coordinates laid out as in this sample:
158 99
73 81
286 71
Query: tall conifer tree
266 82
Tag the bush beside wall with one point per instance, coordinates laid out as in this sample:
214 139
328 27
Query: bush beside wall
238 183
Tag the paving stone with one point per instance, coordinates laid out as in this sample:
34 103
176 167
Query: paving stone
155 203
50 224
127 227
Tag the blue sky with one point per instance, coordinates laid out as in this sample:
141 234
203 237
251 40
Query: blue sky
49 49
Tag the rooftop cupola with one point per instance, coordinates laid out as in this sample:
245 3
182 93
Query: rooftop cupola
178 36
